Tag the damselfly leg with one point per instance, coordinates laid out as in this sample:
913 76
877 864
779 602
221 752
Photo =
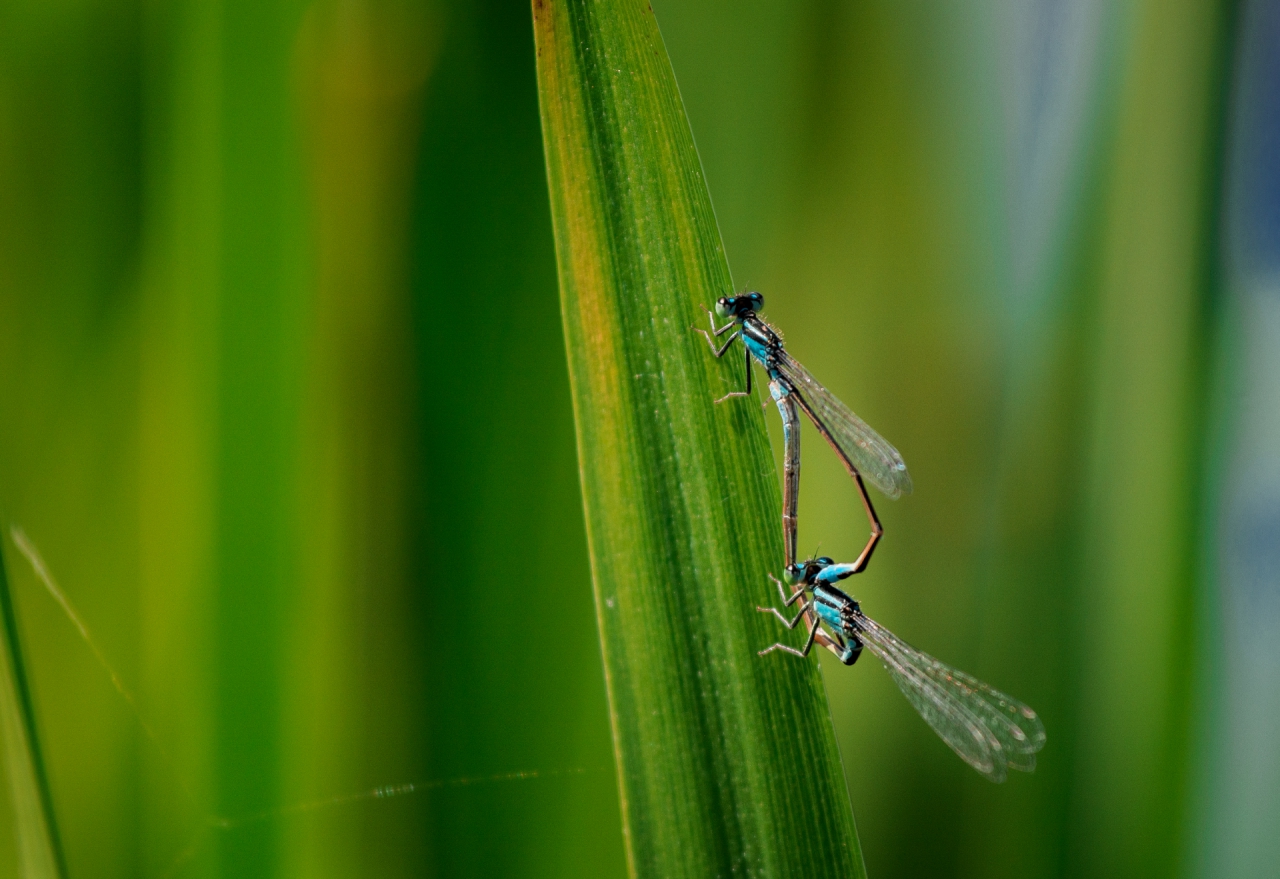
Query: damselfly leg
798 595
814 629
719 352
787 600
816 632
747 392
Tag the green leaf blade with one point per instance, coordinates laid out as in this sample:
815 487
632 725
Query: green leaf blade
727 762
40 852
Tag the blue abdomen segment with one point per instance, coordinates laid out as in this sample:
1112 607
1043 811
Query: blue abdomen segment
786 408
829 612
758 350
851 652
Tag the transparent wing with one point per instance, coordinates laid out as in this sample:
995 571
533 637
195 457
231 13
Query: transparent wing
989 730
877 461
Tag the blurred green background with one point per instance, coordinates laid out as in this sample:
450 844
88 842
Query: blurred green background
284 409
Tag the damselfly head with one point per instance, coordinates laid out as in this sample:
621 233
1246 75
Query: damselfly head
806 572
739 306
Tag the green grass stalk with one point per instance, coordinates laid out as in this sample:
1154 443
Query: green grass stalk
39 846
727 761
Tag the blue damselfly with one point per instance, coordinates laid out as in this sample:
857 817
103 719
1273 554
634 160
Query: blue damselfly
990 731
862 451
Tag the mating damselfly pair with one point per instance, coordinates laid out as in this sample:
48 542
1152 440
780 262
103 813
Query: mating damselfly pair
991 731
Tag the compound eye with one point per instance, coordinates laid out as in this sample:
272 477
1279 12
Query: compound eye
757 301
723 306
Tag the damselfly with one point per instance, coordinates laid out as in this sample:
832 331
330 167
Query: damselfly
862 451
990 731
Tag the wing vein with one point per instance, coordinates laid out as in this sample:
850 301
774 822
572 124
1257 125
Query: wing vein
987 728
873 456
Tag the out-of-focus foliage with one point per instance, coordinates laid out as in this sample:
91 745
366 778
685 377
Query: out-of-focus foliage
1237 766
33 819
283 407
285 412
